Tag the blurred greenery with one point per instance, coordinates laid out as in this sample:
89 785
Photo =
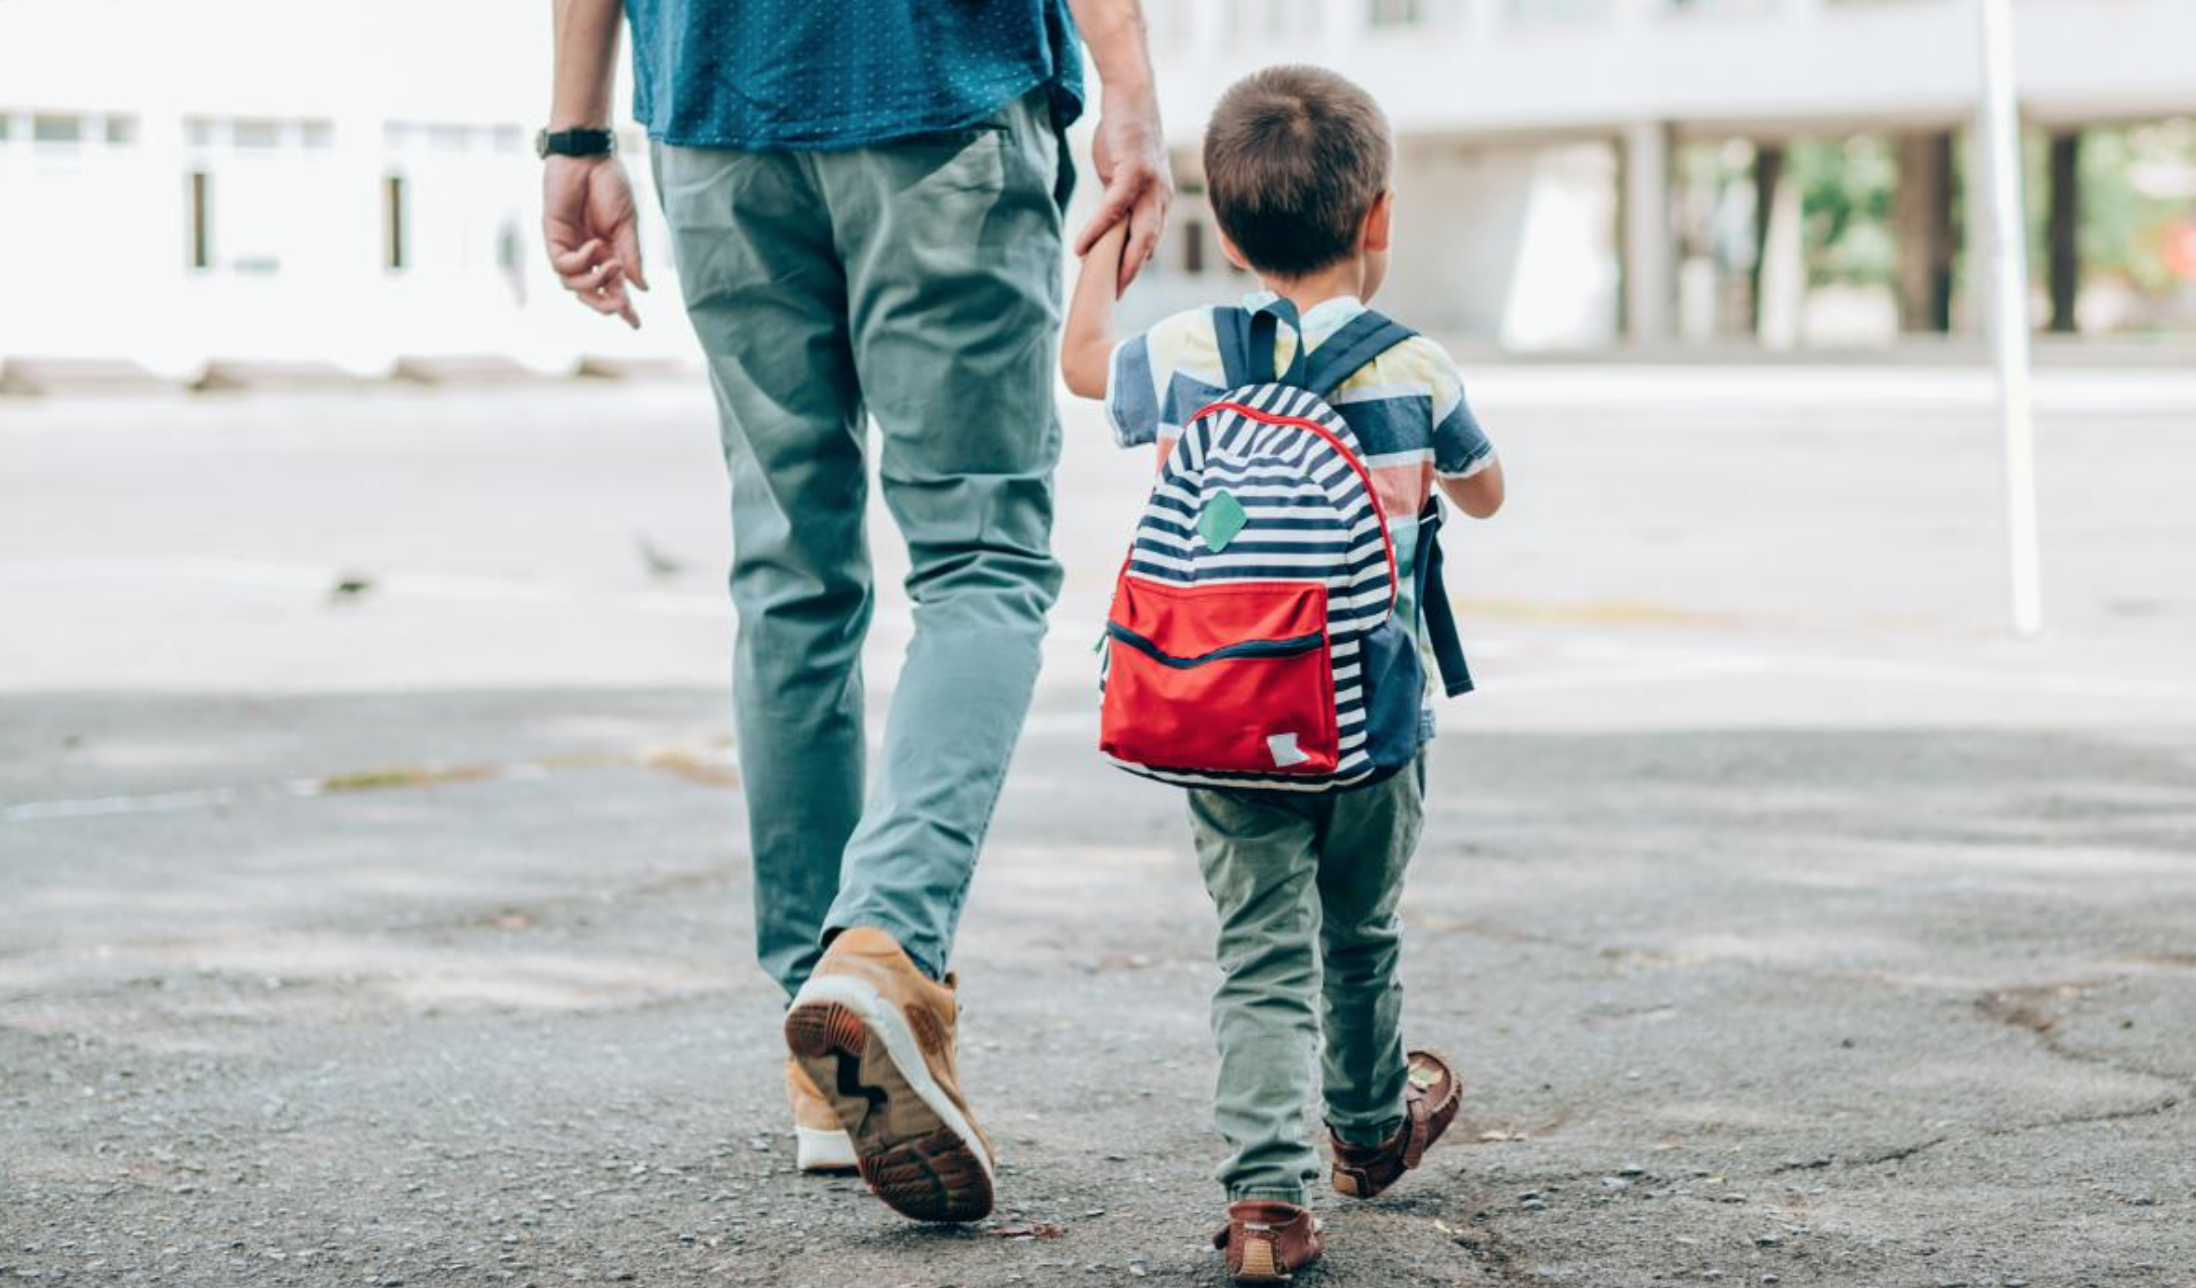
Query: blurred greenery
1845 202
2137 182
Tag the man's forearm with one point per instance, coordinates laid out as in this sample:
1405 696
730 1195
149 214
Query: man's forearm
587 41
1114 30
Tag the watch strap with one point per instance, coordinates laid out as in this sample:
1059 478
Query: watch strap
577 142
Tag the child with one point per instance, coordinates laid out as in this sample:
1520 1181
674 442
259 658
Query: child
1306 885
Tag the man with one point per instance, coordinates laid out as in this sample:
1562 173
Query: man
865 202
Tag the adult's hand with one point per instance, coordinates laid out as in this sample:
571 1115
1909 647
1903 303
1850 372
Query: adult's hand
1131 158
592 231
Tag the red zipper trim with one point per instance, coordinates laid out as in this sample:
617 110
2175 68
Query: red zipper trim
1349 458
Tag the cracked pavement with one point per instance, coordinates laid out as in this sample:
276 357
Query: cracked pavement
1789 925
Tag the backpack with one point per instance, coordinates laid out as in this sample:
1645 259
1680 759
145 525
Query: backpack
1254 642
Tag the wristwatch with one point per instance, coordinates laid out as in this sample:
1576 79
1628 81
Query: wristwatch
574 143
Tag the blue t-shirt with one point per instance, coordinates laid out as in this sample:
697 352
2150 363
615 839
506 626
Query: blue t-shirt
822 74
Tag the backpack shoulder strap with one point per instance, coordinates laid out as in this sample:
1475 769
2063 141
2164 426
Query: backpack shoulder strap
1247 340
1231 326
1357 342
1434 606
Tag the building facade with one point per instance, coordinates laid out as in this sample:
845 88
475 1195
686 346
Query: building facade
253 179
1579 172
351 184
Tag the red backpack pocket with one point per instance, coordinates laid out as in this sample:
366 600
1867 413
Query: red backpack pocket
1227 677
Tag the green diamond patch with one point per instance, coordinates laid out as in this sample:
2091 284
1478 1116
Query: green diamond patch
1220 520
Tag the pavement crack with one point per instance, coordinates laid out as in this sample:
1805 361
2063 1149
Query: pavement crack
2029 1008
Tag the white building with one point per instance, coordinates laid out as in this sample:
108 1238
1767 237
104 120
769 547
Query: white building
351 183
1536 137
261 179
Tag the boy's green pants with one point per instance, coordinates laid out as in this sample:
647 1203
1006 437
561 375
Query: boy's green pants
1306 888
916 282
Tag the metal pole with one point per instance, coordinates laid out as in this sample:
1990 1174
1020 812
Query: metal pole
2008 294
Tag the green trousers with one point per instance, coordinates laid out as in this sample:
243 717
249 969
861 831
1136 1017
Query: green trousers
1306 888
916 283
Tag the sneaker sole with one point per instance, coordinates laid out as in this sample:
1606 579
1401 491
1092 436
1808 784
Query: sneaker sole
818 1149
914 1147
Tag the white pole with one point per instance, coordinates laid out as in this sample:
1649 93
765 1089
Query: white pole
2008 295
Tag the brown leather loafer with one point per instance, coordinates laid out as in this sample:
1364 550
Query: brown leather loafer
1430 1101
1266 1241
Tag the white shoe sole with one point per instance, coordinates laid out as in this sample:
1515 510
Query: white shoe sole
822 1055
818 1150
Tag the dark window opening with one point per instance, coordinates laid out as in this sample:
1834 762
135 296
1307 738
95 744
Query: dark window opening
1193 246
201 221
392 223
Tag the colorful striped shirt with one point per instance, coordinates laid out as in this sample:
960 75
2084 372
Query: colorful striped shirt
1406 407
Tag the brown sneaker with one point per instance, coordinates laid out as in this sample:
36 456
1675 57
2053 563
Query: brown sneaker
820 1142
1430 1100
1267 1241
876 1037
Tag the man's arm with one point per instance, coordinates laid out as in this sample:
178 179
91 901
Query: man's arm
1086 341
588 221
1131 150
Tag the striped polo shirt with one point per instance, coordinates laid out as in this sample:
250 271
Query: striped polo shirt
1406 407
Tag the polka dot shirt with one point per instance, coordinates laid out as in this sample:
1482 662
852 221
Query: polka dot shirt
822 74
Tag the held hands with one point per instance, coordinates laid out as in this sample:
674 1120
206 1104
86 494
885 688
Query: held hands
1130 156
592 232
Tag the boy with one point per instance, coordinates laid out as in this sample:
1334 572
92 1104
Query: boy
1296 167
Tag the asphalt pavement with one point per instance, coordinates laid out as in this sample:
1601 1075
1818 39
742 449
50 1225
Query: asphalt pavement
373 889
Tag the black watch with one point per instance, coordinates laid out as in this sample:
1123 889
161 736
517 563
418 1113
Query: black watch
574 143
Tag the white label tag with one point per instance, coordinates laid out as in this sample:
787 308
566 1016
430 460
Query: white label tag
1285 751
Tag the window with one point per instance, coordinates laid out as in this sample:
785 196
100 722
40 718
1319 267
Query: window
57 129
392 223
1395 13
1193 246
201 221
5 122
121 131
256 134
319 134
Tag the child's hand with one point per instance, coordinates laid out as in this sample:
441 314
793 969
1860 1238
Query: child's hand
1086 342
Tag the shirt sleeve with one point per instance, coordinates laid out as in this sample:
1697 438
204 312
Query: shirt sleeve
1461 447
1132 393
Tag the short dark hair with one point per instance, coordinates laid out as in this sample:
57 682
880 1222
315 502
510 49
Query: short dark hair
1294 157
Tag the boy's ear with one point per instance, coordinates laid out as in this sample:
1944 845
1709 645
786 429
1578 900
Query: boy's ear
1379 219
1235 256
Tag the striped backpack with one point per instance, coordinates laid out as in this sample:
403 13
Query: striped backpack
1254 640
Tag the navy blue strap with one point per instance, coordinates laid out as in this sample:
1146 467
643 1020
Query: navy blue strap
1248 339
1232 327
1434 606
1265 340
1355 343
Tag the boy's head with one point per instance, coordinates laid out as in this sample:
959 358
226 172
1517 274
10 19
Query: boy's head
1296 162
